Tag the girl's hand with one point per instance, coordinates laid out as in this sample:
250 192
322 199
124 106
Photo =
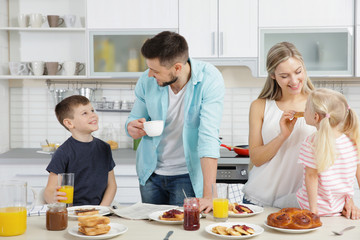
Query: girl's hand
287 123
59 195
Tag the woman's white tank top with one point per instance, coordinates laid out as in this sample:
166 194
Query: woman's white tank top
281 175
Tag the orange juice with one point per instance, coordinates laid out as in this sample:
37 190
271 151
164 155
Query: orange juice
69 190
12 221
221 208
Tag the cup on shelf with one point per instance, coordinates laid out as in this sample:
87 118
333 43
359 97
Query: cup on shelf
37 20
23 20
52 68
36 67
70 20
72 68
54 20
18 68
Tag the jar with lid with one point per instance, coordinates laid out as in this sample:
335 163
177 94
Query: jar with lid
56 217
191 214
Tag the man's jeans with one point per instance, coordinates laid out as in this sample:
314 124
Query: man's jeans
161 189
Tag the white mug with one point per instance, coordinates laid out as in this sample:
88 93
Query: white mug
23 20
37 20
37 67
70 20
18 68
72 68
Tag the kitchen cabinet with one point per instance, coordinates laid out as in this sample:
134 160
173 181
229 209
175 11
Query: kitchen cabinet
134 14
306 13
58 44
223 32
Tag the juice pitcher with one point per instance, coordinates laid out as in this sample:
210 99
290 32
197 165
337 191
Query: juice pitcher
12 208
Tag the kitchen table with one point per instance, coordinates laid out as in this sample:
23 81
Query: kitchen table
149 230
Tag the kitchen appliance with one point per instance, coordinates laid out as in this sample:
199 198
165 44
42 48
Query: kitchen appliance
232 168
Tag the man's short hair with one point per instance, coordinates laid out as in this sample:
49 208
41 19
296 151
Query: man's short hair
168 47
65 108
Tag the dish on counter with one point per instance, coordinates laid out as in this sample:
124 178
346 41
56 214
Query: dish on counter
254 208
156 217
116 229
286 230
258 230
102 210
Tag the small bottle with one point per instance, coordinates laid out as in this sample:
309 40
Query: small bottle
56 217
191 214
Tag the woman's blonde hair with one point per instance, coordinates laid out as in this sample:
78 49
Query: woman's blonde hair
279 53
336 113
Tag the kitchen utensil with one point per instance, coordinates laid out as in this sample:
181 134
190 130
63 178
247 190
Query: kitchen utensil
58 95
168 235
342 231
242 150
87 92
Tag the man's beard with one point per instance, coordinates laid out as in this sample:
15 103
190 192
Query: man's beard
164 84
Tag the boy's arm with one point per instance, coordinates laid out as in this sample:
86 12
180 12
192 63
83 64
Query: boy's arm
311 183
51 193
110 190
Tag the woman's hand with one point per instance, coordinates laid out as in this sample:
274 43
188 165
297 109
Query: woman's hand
287 123
135 128
350 210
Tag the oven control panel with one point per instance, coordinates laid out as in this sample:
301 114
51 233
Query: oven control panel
232 172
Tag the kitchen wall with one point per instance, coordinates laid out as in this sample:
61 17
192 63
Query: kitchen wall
4 85
33 120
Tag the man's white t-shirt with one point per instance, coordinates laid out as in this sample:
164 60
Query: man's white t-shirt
171 157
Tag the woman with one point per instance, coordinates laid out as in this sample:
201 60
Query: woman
275 135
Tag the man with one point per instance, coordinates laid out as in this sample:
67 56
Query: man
188 95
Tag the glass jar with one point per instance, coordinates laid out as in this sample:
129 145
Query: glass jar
56 217
12 208
191 214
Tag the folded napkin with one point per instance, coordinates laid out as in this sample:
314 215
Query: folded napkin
37 210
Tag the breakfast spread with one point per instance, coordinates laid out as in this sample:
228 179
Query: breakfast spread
86 211
299 114
294 218
94 225
235 230
239 209
172 215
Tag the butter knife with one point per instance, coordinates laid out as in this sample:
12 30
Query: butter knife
168 235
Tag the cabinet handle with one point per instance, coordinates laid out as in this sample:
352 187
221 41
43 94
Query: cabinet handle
221 43
213 43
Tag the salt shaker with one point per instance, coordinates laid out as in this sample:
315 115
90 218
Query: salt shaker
191 214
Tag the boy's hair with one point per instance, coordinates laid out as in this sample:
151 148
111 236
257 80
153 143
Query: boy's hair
279 53
333 107
65 108
168 47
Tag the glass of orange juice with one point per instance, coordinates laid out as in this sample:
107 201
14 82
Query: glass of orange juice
12 208
66 181
220 195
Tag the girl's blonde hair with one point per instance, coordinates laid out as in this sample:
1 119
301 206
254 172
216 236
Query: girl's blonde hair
279 53
336 113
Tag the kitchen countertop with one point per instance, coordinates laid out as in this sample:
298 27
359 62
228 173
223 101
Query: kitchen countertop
144 229
122 156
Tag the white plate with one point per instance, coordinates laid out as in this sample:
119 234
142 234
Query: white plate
291 230
258 230
102 210
254 208
116 229
155 216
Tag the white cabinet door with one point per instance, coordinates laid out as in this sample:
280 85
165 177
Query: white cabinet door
198 24
306 13
238 28
132 14
357 52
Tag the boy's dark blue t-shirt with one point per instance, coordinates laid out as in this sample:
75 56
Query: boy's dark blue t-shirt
91 162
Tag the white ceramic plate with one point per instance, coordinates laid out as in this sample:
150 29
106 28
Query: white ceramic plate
116 229
258 230
155 216
254 208
102 210
291 230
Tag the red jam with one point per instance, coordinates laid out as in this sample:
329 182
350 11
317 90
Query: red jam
191 214
171 213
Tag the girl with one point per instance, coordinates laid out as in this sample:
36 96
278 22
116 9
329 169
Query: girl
331 155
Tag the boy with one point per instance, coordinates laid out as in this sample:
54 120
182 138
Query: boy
86 156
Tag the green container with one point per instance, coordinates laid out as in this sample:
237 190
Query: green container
136 143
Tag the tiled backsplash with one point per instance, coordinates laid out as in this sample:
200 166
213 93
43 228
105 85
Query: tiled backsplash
32 117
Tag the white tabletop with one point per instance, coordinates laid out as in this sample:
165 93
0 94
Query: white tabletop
145 229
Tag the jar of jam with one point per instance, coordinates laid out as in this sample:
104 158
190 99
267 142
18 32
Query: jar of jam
56 217
191 214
